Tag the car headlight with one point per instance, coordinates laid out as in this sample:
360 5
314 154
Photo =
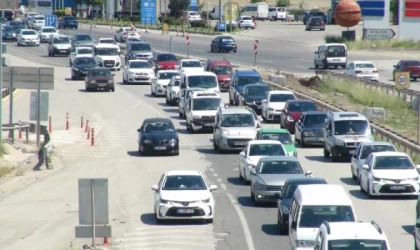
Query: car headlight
75 69
206 201
309 133
196 117
304 243
172 141
376 179
289 118
261 186
164 201
225 132
285 209
93 81
339 143
147 141
414 179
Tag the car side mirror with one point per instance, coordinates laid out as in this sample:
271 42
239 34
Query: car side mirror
252 171
155 188
242 153
264 101
294 225
138 130
213 187
113 74
177 129
308 173
354 155
365 167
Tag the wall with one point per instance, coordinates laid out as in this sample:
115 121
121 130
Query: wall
375 13
409 20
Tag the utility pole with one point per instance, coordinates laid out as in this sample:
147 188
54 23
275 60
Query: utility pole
131 8
1 75
220 11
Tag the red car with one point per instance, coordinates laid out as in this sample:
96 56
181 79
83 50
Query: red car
223 70
292 112
164 61
412 66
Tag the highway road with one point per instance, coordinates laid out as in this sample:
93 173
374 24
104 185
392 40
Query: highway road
43 214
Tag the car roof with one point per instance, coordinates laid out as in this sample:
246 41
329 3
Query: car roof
273 130
228 111
306 180
315 113
334 44
373 143
84 55
353 230
27 30
138 41
247 72
256 85
106 38
315 194
258 142
279 158
84 47
389 153
183 172
157 119
219 63
105 46
60 35
223 36
345 115
300 101
285 92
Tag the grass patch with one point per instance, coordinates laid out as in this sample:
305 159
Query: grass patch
374 44
5 170
3 151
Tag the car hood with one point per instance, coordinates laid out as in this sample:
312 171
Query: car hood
141 70
251 131
163 81
395 174
167 63
185 195
277 105
193 69
100 78
204 112
84 43
254 98
308 234
102 58
296 115
316 127
277 179
85 67
160 136
224 78
30 36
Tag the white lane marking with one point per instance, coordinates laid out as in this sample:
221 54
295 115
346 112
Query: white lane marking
211 169
245 227
219 180
215 175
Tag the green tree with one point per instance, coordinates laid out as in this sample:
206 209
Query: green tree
283 3
177 6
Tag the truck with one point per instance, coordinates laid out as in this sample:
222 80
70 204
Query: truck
412 66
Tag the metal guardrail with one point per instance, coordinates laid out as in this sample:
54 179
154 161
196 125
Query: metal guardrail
407 95
408 146
22 126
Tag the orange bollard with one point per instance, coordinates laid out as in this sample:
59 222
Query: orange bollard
67 121
106 241
92 138
49 124
81 122
87 126
20 132
88 133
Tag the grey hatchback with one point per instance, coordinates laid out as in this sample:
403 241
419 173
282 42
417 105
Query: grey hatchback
315 22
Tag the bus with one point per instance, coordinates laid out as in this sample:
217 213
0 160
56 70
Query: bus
42 7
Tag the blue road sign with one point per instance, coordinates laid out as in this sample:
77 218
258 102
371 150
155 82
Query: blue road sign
221 26
51 20
148 12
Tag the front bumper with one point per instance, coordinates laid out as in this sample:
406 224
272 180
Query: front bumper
255 107
314 138
267 195
101 85
116 65
167 148
273 115
234 143
62 51
80 73
28 43
331 62
192 211
160 90
316 27
139 79
391 188
343 150
200 125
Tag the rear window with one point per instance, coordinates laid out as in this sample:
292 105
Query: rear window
246 18
365 66
336 51
166 57
70 18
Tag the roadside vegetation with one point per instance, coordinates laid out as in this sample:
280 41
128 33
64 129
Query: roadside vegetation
4 168
374 45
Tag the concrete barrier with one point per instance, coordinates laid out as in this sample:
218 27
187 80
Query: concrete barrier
279 79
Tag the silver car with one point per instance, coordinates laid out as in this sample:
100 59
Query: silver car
184 97
358 159
270 174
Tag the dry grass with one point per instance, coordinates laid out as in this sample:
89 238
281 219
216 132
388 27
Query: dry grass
5 170
383 44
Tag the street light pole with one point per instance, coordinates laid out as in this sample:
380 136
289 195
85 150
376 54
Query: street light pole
1 75
131 8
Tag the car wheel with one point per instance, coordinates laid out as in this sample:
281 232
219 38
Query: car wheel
215 148
280 224
326 153
113 89
325 65
252 196
369 193
167 101
151 91
52 53
234 51
334 156
302 142
73 77
211 49
414 79
158 221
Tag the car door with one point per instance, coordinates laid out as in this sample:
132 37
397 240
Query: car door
298 127
364 175
355 160
157 193
242 160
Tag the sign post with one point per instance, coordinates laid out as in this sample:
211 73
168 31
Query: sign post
402 80
378 34
187 39
255 51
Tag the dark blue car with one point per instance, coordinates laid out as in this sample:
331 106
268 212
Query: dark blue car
9 33
241 78
68 22
252 96
223 44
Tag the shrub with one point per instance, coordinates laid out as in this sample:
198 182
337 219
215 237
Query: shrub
333 39
296 12
202 23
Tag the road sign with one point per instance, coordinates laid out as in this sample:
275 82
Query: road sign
165 27
187 38
378 34
93 193
51 20
221 26
256 47
26 77
402 80
44 106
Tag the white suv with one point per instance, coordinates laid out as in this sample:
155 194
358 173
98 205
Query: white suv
37 22
201 110
107 56
351 235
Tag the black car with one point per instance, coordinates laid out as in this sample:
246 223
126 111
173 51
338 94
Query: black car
315 22
9 33
68 22
252 96
286 196
81 67
17 25
223 44
158 136
309 128
313 13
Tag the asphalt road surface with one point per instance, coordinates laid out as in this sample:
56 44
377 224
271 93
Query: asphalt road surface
43 215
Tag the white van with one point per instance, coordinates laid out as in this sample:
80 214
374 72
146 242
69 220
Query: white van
201 110
311 206
206 80
331 54
277 13
258 11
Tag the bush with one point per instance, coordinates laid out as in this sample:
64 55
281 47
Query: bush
59 13
296 12
234 27
201 23
333 39
170 20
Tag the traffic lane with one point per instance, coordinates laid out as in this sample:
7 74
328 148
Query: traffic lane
394 215
37 54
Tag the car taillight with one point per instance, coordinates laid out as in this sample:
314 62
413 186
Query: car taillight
358 71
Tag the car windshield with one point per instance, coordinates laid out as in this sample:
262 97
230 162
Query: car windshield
107 41
141 47
247 18
62 40
266 150
351 127
257 91
284 138
159 127
85 61
17 24
206 104
357 244
168 75
8 29
139 65
237 120
166 57
336 51
83 38
194 14
84 51
314 216
393 162
106 51
316 19
184 182
365 66
367 150
191 64
49 30
29 32
202 82
70 18
281 97
302 107
311 120
39 18
100 73
245 80
280 167
222 70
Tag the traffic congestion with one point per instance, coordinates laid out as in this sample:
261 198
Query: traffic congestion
241 114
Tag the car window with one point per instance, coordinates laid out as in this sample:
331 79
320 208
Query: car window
206 104
139 65
357 244
311 120
284 138
100 73
184 182
257 91
227 40
281 97
314 216
84 61
237 120
106 51
49 30
166 57
367 150
336 51
301 107
280 167
365 66
83 38
167 75
245 80
221 70
393 162
159 127
202 81
350 127
84 51
266 150
140 47
61 40
107 41
191 64
28 32
176 83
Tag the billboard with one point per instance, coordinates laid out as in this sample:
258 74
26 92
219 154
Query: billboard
409 20
375 13
148 12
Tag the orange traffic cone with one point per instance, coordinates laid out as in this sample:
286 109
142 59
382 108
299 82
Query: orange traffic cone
106 241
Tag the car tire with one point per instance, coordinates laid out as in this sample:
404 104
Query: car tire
326 153
216 148
326 65
158 221
167 101
73 77
316 65
334 156
282 229
151 91
211 49
368 190
252 196
414 79
113 89
302 143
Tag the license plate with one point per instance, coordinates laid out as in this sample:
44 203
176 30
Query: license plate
397 188
101 85
336 60
160 148
185 211
63 51
239 143
208 124
109 65
351 151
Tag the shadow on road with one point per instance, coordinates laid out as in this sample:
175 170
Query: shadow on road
363 196
270 229
349 181
236 181
208 151
318 158
246 201
150 219
170 110
134 153
409 229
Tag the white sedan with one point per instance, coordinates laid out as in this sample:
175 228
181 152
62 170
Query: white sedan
46 32
172 91
161 81
190 65
27 37
274 104
110 41
138 71
125 33
389 173
183 194
362 69
254 150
